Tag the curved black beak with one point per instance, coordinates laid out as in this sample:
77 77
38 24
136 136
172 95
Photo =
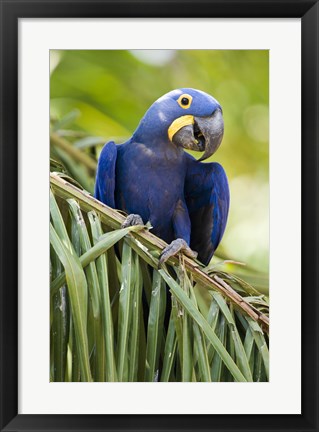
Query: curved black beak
205 134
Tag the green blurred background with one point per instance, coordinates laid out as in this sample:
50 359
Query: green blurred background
101 95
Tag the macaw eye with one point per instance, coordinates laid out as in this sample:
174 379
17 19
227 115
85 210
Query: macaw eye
184 101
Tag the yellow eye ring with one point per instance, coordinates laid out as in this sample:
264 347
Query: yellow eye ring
185 101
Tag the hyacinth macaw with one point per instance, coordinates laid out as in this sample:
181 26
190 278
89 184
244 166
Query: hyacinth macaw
152 179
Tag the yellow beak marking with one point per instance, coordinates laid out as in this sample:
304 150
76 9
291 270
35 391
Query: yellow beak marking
178 124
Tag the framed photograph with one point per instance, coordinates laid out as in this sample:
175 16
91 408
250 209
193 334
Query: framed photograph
173 146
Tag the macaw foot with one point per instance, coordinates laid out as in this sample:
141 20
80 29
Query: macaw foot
131 220
178 245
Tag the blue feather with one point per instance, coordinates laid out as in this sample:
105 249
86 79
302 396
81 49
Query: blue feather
150 176
105 175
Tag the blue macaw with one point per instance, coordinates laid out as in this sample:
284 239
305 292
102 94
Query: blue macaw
152 179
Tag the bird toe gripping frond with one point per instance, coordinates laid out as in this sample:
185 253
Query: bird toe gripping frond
176 246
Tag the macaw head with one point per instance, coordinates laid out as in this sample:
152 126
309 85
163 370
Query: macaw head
185 118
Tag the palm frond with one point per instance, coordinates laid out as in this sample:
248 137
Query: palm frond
117 316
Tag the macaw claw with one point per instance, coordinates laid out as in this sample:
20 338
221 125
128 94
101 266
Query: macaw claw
131 220
178 245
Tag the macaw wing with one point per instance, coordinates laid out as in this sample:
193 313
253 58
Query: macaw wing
207 199
105 175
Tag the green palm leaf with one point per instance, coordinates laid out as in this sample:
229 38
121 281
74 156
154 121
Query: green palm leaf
117 304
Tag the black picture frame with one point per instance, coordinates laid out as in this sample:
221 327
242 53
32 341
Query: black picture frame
11 11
